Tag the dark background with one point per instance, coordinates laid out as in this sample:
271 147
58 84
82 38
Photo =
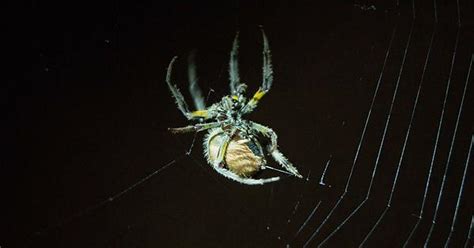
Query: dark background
88 118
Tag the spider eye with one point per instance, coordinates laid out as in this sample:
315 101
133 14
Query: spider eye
235 101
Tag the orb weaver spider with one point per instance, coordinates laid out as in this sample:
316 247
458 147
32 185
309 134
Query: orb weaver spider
231 146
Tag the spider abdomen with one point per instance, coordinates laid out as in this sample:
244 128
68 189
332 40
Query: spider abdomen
243 156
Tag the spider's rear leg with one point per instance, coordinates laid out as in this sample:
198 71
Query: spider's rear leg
283 161
219 162
244 180
273 149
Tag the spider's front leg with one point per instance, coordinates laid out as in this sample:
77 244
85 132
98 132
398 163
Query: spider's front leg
267 77
195 92
273 149
234 78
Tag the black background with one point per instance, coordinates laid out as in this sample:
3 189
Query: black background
90 115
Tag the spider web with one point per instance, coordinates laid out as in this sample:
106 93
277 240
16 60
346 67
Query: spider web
446 237
388 163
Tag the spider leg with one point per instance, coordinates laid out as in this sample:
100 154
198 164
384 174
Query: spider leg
249 181
222 151
182 105
283 161
267 65
234 67
194 88
194 128
273 149
267 77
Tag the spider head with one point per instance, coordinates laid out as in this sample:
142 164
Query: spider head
230 107
238 99
241 88
233 103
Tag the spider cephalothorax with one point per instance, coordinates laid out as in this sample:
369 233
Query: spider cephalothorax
231 145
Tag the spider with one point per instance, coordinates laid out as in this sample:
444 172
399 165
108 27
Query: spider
231 145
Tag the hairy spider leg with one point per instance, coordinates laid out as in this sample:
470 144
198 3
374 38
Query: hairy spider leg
194 88
194 128
249 181
234 78
273 149
267 65
267 77
220 158
222 151
182 105
179 98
